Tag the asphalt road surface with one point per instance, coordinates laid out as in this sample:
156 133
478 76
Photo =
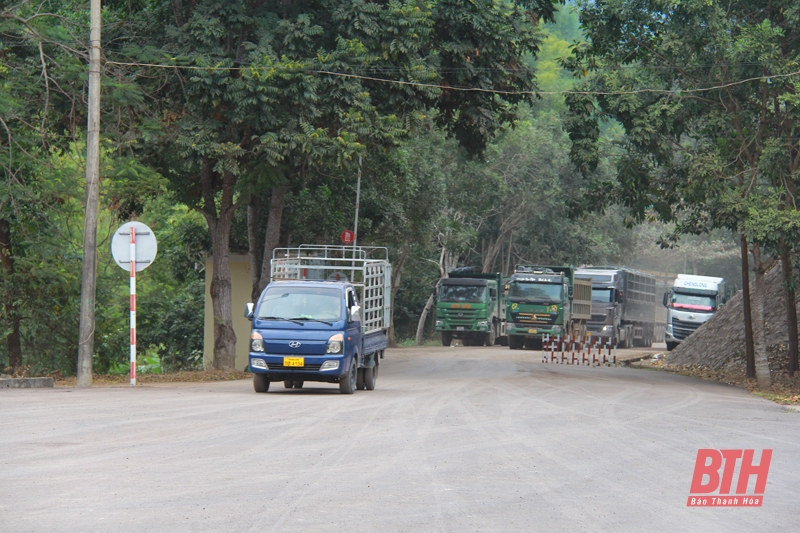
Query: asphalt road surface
452 439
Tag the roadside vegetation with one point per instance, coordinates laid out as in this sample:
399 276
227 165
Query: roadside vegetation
602 132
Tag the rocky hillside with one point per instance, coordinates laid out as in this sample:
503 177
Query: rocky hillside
719 343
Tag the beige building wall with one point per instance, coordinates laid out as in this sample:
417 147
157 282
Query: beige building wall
241 286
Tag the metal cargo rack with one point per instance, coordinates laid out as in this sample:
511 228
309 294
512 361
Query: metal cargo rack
366 267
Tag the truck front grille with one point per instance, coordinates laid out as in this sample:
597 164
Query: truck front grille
306 368
681 329
461 316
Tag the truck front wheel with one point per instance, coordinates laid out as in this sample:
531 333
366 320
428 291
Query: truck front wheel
671 346
260 382
490 337
347 384
515 342
447 338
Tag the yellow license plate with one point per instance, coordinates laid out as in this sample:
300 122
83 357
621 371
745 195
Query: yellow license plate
533 330
294 361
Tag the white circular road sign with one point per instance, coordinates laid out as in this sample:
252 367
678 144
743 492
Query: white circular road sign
146 246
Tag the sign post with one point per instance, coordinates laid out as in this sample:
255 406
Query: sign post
134 258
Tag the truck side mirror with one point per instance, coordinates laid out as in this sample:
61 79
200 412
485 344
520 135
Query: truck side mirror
571 292
620 297
354 314
666 299
249 311
493 294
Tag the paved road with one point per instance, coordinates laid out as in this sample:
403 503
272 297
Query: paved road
453 439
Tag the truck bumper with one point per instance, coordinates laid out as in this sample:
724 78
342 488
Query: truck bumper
482 326
315 368
534 331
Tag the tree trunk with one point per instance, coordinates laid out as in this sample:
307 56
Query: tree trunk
219 226
255 251
14 340
397 271
750 358
221 298
276 203
759 328
421 324
791 306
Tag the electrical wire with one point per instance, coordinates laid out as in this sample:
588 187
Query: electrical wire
469 89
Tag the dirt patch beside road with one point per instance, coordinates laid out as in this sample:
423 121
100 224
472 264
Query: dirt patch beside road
785 389
176 377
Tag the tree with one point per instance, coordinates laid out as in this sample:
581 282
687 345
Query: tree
704 92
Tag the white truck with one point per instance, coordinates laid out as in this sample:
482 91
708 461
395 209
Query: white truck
690 302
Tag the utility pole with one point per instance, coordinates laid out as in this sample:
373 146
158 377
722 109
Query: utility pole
358 199
89 272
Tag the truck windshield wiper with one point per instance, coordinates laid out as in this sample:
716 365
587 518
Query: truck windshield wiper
309 319
295 320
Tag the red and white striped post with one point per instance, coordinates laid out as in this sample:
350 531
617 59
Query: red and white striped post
133 306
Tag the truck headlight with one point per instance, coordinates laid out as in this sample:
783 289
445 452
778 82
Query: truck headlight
258 363
329 365
483 324
556 329
669 330
335 344
440 323
256 342
608 328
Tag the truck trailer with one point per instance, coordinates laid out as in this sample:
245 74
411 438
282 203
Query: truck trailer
623 305
546 300
691 302
470 306
323 317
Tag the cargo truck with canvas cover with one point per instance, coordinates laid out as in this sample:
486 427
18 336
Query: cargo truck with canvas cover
471 306
546 300
623 305
324 317
690 302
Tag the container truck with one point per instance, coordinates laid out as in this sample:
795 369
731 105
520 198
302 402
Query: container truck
690 302
470 306
623 305
546 300
323 317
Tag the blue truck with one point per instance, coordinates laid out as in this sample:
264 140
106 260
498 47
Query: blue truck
324 317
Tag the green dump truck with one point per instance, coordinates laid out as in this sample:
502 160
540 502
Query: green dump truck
546 300
471 306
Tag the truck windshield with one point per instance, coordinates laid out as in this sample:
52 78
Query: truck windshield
316 303
549 292
697 302
602 295
462 293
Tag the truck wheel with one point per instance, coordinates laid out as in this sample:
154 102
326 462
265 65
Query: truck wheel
260 382
298 384
490 338
360 378
515 342
447 338
671 346
347 384
371 376
288 384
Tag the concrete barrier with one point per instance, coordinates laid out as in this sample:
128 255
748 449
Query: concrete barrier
26 383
